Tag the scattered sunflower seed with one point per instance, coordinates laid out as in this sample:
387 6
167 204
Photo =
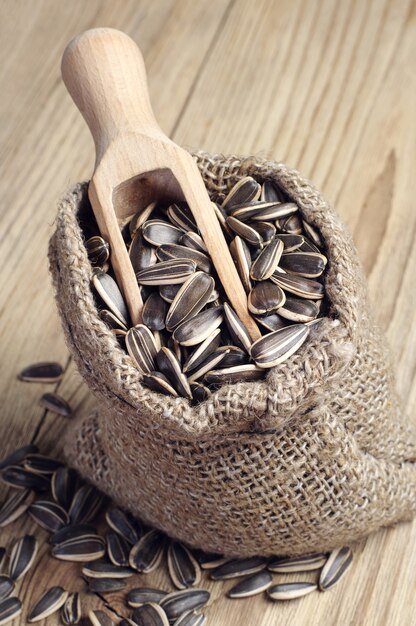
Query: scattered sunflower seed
121 524
6 587
104 569
290 591
147 553
82 549
106 585
49 515
73 531
86 504
150 614
191 619
9 609
22 556
50 602
64 484
16 504
117 549
183 567
210 560
21 478
41 464
2 556
44 372
300 564
71 610
56 404
17 456
334 569
177 603
239 567
142 595
99 618
251 586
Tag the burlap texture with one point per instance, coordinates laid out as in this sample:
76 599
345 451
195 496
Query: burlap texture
315 456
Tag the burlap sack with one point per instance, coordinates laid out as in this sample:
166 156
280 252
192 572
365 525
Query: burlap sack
315 456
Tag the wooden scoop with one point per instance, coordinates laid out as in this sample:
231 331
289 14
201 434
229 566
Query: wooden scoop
136 163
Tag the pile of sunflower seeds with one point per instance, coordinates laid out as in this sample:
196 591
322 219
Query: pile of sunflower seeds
111 547
191 340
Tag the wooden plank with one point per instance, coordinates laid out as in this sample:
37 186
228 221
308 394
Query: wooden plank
325 86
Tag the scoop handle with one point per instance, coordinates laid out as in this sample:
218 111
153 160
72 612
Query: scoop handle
104 71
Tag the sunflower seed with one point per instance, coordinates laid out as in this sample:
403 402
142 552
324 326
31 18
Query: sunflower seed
246 190
177 603
64 483
168 292
233 356
86 504
191 619
150 614
117 549
17 456
142 595
194 241
6 587
244 230
44 372
266 230
73 531
239 567
50 602
71 610
197 329
272 322
98 251
242 258
190 299
271 193
83 549
276 211
181 216
40 464
158 232
334 569
265 298
212 361
49 515
110 294
292 225
307 264
172 251
111 320
147 553
267 261
235 374
156 381
141 346
127 622
174 271
9 609
210 560
278 346
297 310
291 242
251 586
105 569
290 591
21 478
15 506
299 286
200 393
312 233
183 567
154 312
106 585
309 246
121 524
293 564
236 328
142 255
200 354
169 366
99 618
55 403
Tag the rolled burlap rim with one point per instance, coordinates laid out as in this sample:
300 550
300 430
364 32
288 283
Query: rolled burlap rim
329 454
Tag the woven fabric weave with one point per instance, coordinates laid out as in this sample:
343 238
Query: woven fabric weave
315 456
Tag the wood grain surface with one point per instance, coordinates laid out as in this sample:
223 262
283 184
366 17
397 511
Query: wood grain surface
328 87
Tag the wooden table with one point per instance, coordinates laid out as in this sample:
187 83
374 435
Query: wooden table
330 88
